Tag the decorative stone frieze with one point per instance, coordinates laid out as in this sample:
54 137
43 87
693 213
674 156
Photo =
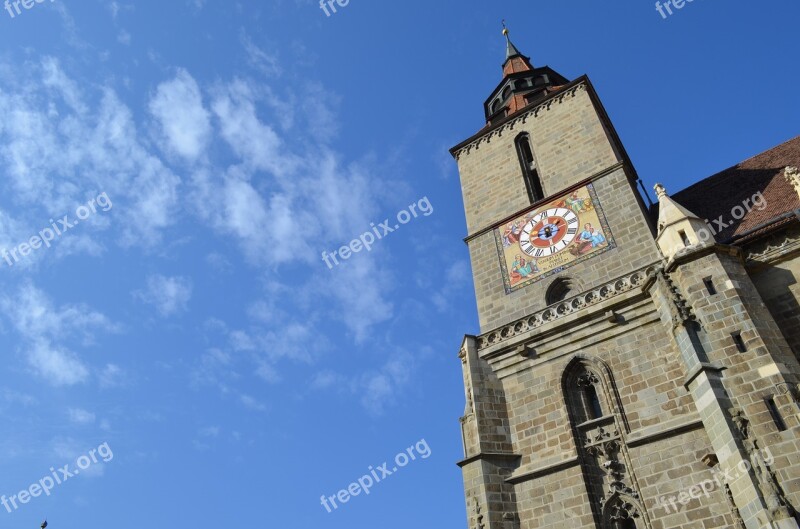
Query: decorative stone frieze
569 306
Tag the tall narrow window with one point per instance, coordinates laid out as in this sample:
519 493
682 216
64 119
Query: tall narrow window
684 238
593 407
776 414
740 345
710 285
529 170
590 400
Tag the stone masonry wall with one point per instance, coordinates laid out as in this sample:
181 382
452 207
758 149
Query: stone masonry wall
569 143
648 376
635 249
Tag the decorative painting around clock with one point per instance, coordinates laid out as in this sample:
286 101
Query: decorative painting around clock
552 237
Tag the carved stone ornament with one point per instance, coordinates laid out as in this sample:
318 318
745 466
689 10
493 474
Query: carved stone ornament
737 516
587 379
619 509
792 175
777 503
679 310
462 354
477 516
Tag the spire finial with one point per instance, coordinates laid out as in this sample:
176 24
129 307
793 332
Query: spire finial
511 50
661 191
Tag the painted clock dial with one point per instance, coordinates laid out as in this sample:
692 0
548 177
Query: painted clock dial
549 232
551 237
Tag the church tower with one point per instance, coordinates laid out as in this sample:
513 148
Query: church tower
626 373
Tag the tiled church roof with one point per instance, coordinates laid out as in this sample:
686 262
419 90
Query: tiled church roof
719 194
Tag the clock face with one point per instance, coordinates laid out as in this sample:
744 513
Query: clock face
552 237
549 232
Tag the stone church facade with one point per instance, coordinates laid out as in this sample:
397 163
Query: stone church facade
637 364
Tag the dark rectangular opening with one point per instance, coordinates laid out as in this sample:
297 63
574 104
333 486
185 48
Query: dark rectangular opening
776 415
737 339
684 238
710 285
593 408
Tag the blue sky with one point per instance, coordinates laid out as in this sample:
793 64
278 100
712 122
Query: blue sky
190 323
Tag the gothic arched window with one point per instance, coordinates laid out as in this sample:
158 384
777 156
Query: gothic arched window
600 431
530 172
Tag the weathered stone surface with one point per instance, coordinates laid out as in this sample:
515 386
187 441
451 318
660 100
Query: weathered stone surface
612 405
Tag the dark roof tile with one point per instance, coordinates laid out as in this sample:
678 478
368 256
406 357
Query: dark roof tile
719 194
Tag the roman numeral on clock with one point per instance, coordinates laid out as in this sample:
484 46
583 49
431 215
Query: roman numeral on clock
539 252
572 231
527 248
573 220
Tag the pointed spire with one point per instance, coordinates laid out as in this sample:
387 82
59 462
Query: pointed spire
511 50
678 228
515 61
522 84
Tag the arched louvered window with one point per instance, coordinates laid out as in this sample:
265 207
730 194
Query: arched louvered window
559 290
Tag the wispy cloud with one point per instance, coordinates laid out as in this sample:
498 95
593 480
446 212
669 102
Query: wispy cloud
169 295
374 389
41 326
81 416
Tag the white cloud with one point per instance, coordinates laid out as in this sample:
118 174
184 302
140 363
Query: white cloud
252 403
111 376
55 148
59 142
169 295
265 63
59 366
177 105
81 416
124 38
209 431
15 398
255 142
39 323
375 389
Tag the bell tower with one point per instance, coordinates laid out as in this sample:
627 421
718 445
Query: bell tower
596 390
547 184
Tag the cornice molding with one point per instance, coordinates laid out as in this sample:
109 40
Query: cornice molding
556 98
774 248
